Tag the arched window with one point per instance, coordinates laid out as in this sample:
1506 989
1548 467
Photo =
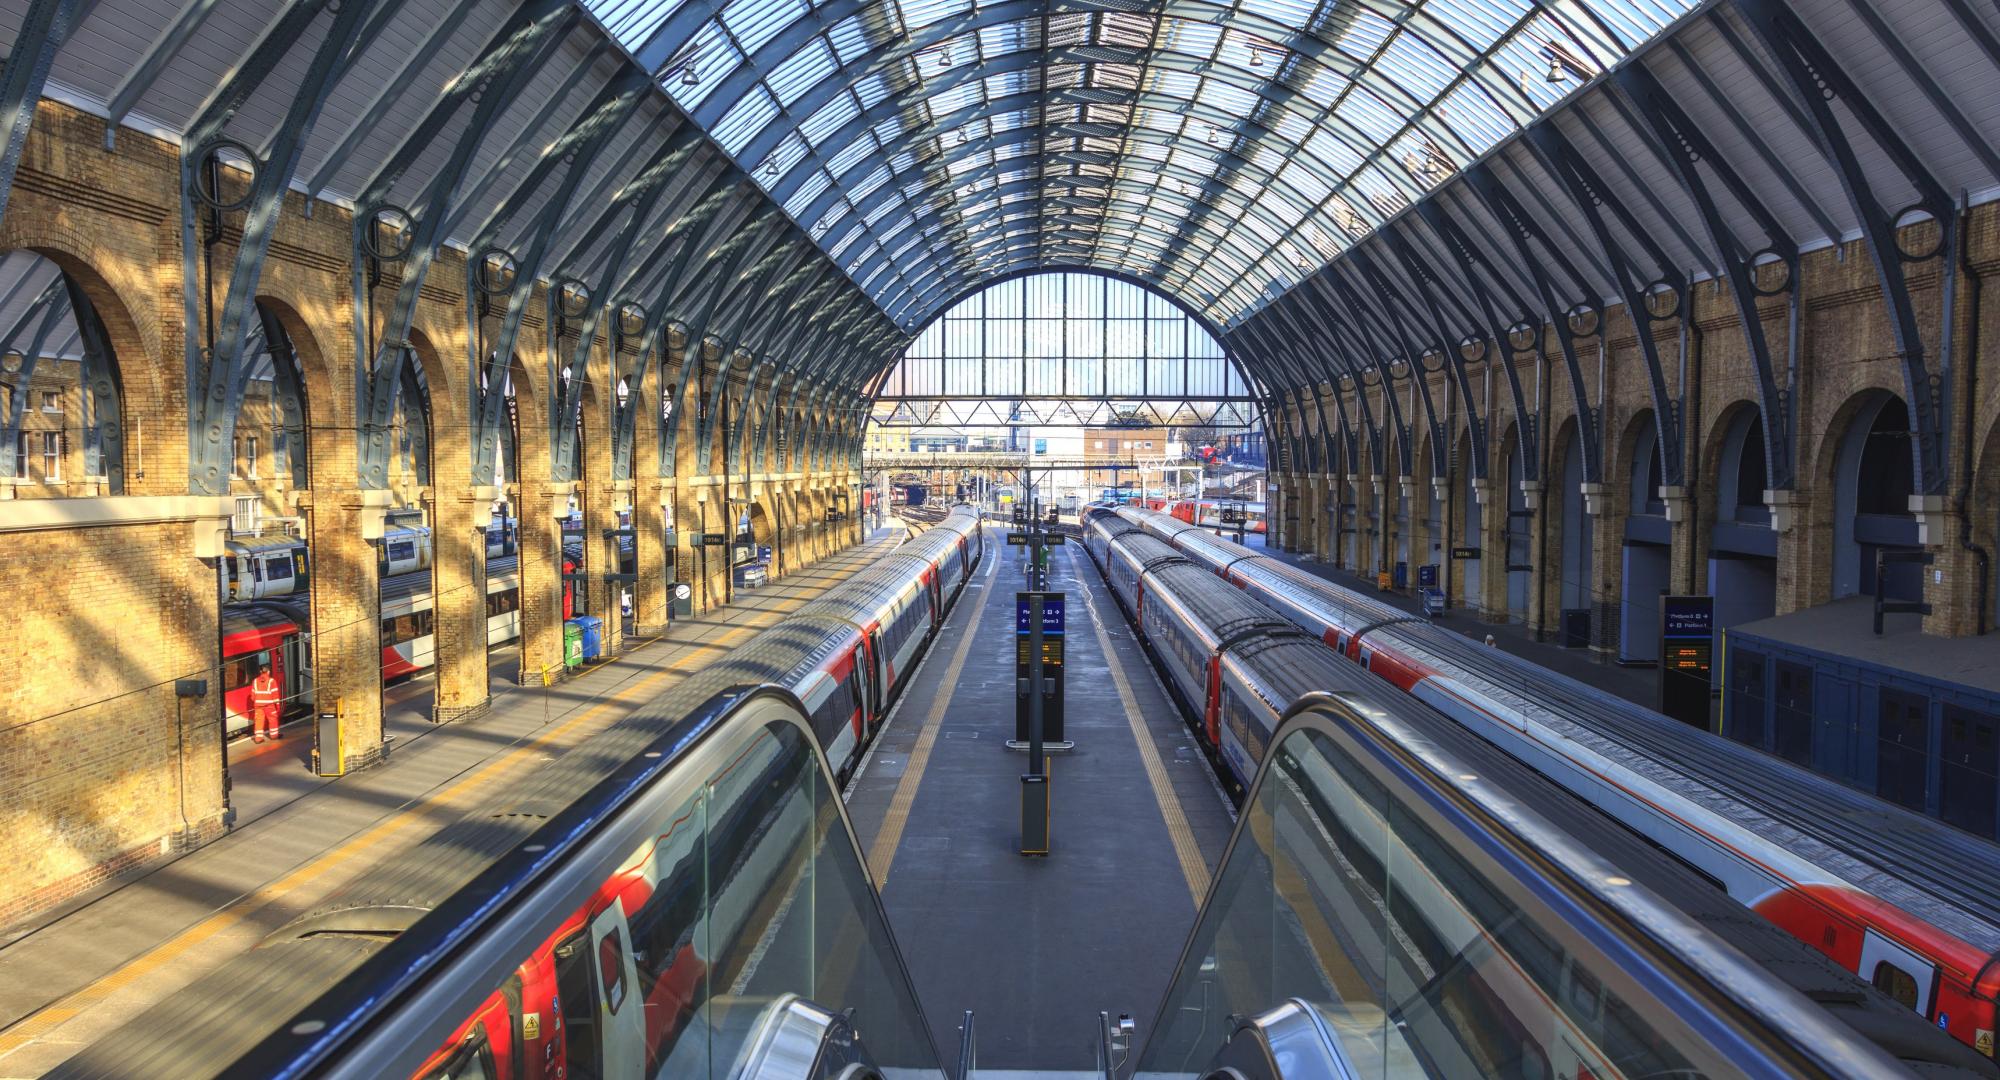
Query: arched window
1066 349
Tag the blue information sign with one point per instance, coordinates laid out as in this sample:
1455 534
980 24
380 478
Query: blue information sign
1052 613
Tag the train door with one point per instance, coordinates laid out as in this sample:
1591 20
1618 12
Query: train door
1833 719
867 670
1902 740
1792 718
1743 697
576 1004
1909 979
621 1011
1970 760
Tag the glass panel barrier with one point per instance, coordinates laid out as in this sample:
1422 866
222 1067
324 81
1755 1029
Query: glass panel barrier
1420 940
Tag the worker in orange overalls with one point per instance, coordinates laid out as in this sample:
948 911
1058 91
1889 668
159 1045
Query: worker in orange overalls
265 694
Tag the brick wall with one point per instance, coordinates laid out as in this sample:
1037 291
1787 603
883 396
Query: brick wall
102 764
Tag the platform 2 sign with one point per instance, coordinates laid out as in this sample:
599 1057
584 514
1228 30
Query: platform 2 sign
1054 613
1015 539
1687 653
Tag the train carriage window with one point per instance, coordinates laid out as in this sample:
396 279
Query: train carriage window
579 1007
279 570
1900 985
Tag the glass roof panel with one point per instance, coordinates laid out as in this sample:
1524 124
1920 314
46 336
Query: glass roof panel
1255 134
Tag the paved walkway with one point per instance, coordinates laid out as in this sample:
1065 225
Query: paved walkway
1036 946
85 969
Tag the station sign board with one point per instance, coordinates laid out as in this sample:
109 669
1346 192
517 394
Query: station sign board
1025 539
1053 610
1465 553
1687 654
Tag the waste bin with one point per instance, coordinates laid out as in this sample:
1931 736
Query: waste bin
683 602
572 643
593 636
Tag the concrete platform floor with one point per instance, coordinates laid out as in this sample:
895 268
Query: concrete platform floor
1036 946
79 972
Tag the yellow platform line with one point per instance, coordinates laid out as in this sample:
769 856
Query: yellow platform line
1188 853
882 853
70 1006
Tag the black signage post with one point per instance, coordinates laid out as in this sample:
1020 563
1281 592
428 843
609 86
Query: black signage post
1038 714
1687 650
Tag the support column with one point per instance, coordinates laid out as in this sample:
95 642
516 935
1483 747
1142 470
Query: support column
1951 582
541 504
458 578
1494 556
1544 587
1686 572
652 594
1606 506
1804 579
344 525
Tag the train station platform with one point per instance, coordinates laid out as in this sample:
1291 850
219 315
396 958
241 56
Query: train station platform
1037 946
82 970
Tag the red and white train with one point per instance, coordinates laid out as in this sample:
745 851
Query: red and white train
603 996
1209 513
1907 904
264 618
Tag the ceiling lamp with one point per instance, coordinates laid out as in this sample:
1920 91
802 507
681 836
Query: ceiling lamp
771 168
1556 72
944 58
1212 134
689 76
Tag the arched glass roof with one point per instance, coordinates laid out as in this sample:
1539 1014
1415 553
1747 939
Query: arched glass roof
1219 149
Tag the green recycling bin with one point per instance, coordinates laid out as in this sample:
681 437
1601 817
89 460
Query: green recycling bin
572 643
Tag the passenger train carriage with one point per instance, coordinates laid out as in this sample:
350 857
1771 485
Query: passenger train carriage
1906 903
658 963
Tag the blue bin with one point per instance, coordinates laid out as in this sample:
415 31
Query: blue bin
593 635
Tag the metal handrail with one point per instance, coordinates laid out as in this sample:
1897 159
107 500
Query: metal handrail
968 1048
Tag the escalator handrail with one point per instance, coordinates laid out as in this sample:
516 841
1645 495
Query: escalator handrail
1761 1019
364 1006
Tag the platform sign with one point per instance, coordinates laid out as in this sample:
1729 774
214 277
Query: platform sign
1427 576
714 539
1687 652
1054 615
1465 553
1015 539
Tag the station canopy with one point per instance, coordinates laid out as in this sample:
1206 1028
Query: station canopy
1219 150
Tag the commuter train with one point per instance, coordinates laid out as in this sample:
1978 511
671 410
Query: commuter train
1208 513
1507 999
262 616
1909 905
715 834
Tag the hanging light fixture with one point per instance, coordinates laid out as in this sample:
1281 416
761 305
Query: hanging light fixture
771 168
1256 57
944 58
1556 72
689 76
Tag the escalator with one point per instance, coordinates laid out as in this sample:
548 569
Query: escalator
1370 921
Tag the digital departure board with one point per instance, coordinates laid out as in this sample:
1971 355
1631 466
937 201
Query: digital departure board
1687 652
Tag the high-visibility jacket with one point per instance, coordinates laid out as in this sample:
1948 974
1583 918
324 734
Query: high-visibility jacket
264 692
